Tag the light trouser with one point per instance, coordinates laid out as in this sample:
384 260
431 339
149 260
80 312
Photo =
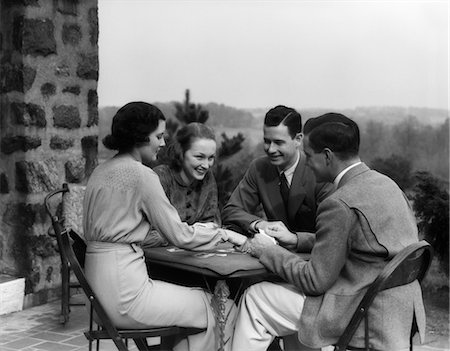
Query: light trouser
267 310
118 275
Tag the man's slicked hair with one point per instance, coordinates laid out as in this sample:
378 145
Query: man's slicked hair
286 115
334 131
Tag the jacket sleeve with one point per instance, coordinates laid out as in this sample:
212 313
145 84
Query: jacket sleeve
240 210
328 256
165 219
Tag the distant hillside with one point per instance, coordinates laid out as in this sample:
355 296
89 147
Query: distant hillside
385 114
221 117
421 134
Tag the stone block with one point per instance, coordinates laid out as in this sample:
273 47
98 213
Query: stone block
59 143
38 37
92 108
42 246
89 146
71 34
17 32
66 117
48 89
75 90
29 75
12 292
9 3
11 77
28 114
88 67
67 7
24 215
19 215
4 185
93 25
37 176
11 144
75 170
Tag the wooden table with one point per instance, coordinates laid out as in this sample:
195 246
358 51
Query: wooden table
223 263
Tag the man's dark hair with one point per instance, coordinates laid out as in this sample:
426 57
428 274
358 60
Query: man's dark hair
334 131
132 125
286 115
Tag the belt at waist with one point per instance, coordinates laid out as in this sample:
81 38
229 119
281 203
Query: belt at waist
110 246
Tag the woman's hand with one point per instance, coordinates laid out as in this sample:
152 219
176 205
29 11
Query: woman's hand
235 238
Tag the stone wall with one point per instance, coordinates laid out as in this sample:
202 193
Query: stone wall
48 127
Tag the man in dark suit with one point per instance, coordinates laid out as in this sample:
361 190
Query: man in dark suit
280 182
360 227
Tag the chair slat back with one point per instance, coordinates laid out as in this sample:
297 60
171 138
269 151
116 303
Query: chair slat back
65 222
410 264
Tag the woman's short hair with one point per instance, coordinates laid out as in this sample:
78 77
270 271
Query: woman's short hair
183 141
132 124
334 131
286 115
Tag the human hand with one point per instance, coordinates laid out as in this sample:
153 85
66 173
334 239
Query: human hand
235 238
279 231
260 225
258 244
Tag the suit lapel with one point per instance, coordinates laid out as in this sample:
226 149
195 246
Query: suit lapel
297 191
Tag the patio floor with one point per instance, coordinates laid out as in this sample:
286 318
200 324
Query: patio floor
38 329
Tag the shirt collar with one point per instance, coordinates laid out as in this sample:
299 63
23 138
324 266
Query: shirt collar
289 173
341 174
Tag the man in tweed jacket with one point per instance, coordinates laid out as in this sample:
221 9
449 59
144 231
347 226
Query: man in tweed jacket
360 228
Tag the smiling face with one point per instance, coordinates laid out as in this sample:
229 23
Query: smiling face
281 148
149 150
198 159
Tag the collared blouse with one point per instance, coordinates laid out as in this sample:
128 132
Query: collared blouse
197 202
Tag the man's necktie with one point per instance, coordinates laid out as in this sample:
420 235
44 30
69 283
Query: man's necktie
284 189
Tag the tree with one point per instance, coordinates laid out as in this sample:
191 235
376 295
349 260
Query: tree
432 209
395 167
188 112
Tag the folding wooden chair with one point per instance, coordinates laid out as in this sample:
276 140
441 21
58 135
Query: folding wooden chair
70 209
108 330
105 330
408 265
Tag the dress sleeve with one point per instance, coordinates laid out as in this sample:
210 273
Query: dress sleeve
164 217
164 178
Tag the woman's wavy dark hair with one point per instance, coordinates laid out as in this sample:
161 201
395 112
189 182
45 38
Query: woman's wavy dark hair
132 125
183 141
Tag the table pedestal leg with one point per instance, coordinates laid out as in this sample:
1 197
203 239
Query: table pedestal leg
219 304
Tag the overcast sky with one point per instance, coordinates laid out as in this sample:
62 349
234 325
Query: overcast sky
304 54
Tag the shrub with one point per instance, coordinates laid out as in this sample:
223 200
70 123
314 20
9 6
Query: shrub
432 210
